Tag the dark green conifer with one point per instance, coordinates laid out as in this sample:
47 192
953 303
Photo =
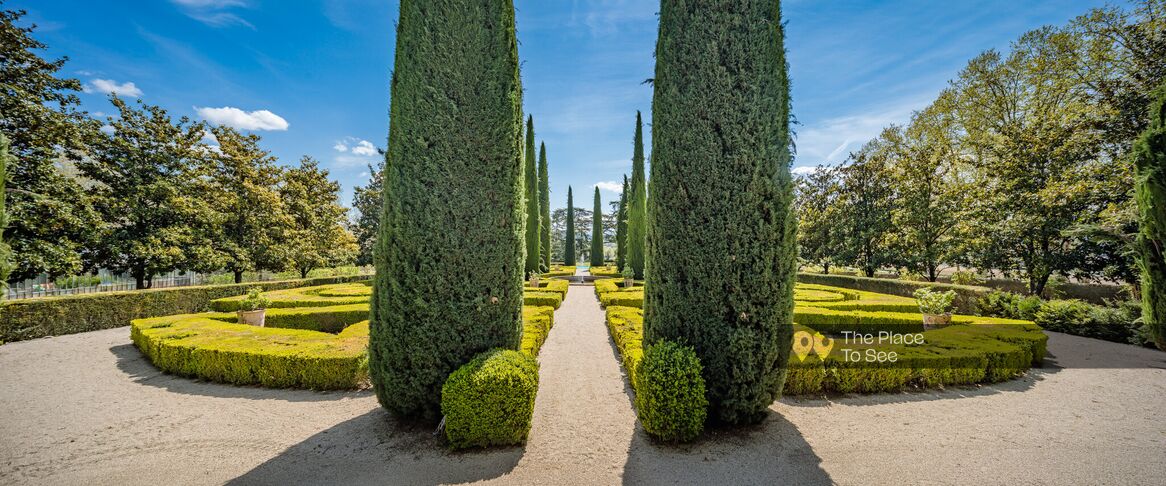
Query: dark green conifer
533 256
637 212
449 256
544 194
721 242
597 232
1150 192
569 240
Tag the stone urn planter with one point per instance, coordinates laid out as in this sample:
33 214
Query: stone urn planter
534 280
628 283
253 317
936 321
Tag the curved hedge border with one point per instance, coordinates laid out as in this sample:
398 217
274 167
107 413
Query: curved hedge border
208 346
56 316
316 296
975 350
313 346
966 295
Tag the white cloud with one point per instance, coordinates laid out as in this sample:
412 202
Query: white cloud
109 86
804 170
107 129
364 147
340 147
610 186
247 120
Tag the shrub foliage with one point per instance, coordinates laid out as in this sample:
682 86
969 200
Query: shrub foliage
670 397
490 400
721 239
450 254
597 232
569 241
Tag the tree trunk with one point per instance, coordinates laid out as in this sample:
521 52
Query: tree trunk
304 272
868 271
932 275
238 276
826 268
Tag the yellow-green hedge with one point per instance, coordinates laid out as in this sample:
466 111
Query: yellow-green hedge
490 400
313 347
317 296
973 350
536 324
204 347
55 316
558 286
606 271
541 298
560 271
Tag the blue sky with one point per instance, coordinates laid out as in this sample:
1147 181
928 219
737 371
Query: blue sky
311 77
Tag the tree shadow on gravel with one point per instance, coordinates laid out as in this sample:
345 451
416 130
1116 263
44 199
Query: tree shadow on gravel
131 362
772 452
375 448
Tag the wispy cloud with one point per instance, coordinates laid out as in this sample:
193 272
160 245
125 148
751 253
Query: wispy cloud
247 120
215 13
831 140
109 86
607 17
610 186
804 170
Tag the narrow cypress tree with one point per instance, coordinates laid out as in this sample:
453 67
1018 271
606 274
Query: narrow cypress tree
637 212
544 194
721 239
1150 192
569 240
533 257
597 233
449 254
621 226
5 250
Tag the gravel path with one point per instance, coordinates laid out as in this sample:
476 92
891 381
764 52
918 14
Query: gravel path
87 409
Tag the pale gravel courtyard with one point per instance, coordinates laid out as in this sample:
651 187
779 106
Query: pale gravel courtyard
88 409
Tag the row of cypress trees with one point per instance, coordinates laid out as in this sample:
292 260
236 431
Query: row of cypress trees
463 214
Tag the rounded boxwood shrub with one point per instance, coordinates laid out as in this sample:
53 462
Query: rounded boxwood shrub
670 392
490 400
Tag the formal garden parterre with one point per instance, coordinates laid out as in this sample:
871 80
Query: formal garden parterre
972 350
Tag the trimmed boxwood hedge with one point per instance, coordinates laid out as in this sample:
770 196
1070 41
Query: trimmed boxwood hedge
490 400
966 295
670 393
316 296
203 346
55 316
305 347
536 324
542 297
973 350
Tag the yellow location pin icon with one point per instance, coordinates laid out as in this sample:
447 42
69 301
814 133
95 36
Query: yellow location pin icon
803 344
822 345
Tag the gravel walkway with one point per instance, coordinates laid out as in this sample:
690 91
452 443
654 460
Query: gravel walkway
87 409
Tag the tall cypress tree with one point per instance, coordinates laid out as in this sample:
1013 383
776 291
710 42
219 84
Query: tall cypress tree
1150 192
637 211
533 256
597 232
569 240
5 250
544 194
721 237
449 256
621 226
